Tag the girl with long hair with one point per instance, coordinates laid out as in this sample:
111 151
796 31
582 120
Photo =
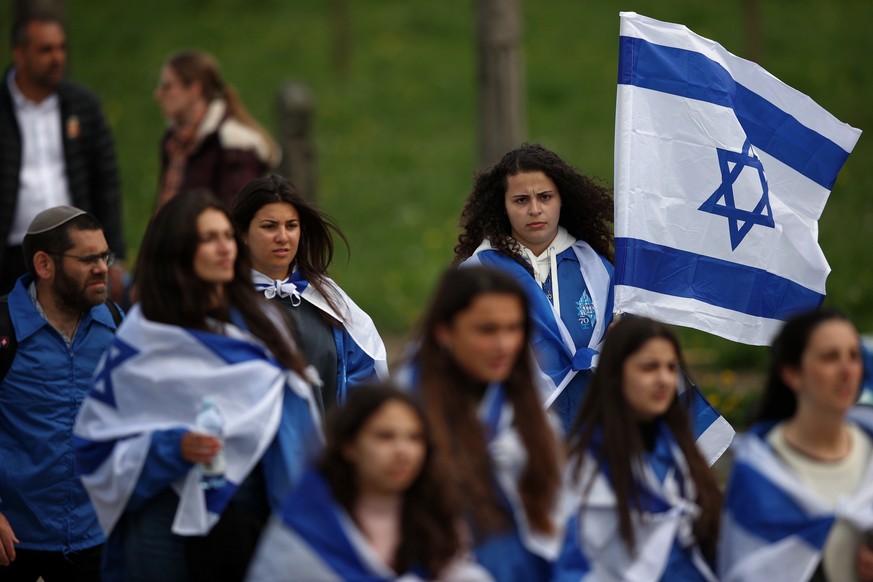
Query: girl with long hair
535 217
375 506
472 373
291 247
648 506
799 502
200 333
211 141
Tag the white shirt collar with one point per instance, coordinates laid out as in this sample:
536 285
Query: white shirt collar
21 101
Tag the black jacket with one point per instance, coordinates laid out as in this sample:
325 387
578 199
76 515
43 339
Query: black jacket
89 158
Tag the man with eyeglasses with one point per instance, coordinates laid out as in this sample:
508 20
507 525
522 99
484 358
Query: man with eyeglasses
55 145
62 324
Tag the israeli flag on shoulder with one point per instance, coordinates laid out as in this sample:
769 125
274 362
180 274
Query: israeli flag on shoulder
721 174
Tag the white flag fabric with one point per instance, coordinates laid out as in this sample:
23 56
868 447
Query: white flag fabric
721 174
774 526
153 378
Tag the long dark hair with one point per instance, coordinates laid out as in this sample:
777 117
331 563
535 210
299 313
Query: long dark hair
448 395
604 411
429 534
586 206
171 292
779 402
315 250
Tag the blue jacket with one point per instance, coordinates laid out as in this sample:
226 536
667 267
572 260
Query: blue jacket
40 491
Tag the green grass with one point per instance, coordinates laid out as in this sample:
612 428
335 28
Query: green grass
396 137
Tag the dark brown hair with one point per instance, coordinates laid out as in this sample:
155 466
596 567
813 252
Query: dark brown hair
18 31
605 411
450 397
315 250
429 534
779 402
171 292
586 207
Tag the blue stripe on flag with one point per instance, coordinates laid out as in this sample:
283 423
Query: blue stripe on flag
231 350
701 413
753 501
714 281
694 76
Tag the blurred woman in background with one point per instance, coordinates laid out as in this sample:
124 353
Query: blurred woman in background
799 501
374 508
547 225
199 331
473 375
648 506
211 141
291 248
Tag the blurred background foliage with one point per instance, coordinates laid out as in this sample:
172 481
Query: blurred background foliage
396 127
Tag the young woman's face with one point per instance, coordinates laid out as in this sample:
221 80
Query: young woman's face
650 379
533 205
830 371
216 252
175 97
485 340
389 451
273 237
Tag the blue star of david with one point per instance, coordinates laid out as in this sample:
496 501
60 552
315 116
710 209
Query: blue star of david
740 221
104 389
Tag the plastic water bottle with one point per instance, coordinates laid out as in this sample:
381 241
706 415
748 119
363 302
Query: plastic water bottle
210 421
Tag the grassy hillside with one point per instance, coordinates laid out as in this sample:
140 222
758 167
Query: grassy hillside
396 137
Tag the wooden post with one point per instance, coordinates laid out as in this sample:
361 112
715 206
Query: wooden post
752 27
340 25
501 93
295 108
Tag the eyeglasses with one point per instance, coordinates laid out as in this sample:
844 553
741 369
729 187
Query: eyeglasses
93 260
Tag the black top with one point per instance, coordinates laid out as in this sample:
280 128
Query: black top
315 338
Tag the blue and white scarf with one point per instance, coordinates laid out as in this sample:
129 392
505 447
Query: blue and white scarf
553 342
508 460
154 377
355 320
667 517
774 526
317 540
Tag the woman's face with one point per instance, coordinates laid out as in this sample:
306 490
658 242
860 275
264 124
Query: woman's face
486 339
830 371
216 252
175 98
389 450
533 205
273 237
650 379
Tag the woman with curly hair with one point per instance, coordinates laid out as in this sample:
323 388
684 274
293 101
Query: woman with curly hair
537 218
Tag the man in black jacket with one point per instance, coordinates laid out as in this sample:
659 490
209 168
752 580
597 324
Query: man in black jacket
55 146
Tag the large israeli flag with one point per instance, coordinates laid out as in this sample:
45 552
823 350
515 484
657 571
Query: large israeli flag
721 174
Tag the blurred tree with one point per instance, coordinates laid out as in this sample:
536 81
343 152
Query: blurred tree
340 24
501 78
752 28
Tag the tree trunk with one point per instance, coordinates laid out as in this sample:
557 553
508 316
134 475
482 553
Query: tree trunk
501 94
